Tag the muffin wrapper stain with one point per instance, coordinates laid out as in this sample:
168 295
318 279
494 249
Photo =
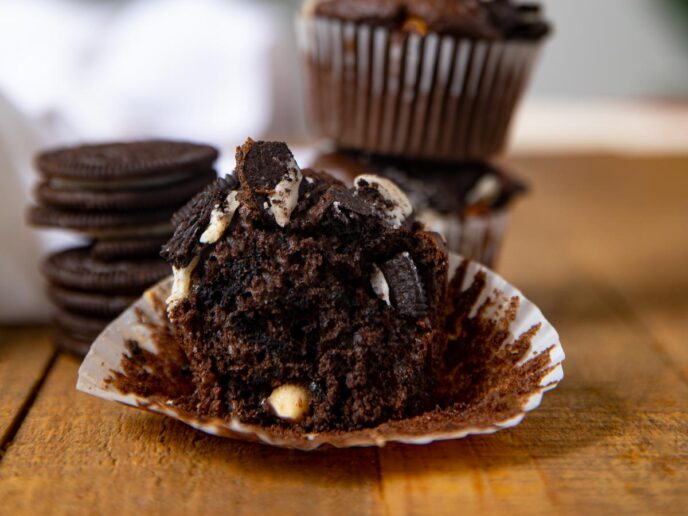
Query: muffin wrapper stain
502 356
402 94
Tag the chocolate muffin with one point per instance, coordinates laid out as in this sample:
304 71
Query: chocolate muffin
467 203
430 79
301 301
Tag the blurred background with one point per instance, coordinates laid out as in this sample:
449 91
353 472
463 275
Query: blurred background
218 70
613 79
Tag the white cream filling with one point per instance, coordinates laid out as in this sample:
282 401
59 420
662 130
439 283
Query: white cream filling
289 402
284 198
380 285
181 285
485 191
401 208
220 218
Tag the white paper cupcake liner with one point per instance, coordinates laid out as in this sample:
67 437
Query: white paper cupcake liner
519 370
434 96
477 236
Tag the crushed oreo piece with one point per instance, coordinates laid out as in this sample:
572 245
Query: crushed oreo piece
405 287
389 200
339 203
270 178
192 220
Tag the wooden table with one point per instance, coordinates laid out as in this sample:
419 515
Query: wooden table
601 246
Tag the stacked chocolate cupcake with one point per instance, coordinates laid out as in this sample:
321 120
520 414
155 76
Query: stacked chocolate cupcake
121 197
424 91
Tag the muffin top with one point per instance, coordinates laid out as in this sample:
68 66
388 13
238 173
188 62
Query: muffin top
447 188
476 19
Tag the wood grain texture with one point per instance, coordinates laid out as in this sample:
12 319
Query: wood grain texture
25 355
106 457
601 246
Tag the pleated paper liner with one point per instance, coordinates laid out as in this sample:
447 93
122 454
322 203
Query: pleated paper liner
503 356
435 97
476 236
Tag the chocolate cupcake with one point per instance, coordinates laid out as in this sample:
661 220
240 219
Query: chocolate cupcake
432 79
466 203
305 313
301 301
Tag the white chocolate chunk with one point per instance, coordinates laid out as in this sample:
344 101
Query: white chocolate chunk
220 218
485 191
181 286
380 285
289 402
401 207
284 198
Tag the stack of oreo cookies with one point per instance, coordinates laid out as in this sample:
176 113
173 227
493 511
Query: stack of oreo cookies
120 196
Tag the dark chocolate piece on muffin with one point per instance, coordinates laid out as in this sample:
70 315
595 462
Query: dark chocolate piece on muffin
327 316
118 161
491 19
270 179
77 269
217 201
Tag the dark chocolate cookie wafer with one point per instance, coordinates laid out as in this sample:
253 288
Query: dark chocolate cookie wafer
81 326
70 343
78 269
125 160
103 223
122 249
130 199
89 303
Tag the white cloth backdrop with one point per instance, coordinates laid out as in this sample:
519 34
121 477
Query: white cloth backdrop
90 70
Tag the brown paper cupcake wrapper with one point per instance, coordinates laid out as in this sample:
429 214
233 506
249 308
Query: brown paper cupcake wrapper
500 374
437 97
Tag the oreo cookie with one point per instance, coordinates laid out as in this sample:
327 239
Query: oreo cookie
77 269
89 303
80 326
72 344
125 248
103 223
117 161
131 198
407 293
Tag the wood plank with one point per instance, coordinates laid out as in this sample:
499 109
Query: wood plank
76 454
25 355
